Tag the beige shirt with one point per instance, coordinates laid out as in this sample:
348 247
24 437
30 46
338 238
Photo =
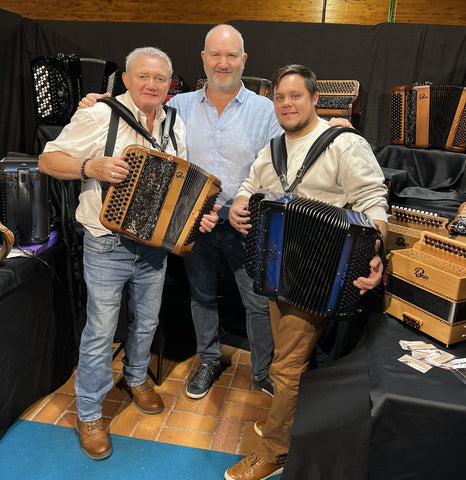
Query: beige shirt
346 174
86 135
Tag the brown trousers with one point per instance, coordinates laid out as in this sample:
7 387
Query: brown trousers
295 334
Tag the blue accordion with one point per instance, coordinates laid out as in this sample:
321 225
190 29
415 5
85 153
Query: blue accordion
307 253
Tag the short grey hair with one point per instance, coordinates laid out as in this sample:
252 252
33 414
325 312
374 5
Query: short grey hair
148 52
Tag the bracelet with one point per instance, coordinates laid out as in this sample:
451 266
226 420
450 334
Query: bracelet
82 168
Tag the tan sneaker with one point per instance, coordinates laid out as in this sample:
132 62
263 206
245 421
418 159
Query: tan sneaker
259 426
93 439
253 467
144 397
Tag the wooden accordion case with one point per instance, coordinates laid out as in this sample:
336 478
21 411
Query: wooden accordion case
429 116
307 253
162 201
426 287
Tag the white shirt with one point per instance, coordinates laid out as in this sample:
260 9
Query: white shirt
85 137
346 174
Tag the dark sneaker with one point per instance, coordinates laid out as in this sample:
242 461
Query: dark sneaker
266 385
253 467
202 380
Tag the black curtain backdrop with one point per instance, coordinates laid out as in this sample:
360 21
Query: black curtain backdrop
380 57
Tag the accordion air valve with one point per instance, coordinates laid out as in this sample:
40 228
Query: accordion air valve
308 253
161 202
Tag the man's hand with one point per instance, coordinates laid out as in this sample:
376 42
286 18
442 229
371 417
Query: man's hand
209 220
91 99
239 215
338 122
108 169
374 278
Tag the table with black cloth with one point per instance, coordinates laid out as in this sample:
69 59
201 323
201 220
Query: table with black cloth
37 341
369 416
432 180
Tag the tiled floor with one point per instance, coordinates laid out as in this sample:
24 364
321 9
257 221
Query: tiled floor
223 420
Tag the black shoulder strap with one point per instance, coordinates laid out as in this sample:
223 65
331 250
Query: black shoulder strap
128 117
167 127
279 154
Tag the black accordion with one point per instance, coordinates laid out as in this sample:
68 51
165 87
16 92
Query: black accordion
61 81
429 116
161 202
307 253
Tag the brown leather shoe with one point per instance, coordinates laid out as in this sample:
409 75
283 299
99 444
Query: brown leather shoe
93 439
253 467
144 397
259 426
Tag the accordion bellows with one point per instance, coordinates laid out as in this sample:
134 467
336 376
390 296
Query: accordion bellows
308 253
429 116
161 202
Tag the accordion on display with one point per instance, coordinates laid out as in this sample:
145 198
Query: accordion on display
429 116
338 98
426 287
161 202
405 226
308 253
61 81
24 199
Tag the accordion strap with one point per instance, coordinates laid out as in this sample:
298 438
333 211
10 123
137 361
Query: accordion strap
279 154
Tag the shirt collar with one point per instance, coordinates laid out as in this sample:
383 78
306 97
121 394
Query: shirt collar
139 114
240 97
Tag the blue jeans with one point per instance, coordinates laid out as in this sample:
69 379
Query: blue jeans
111 263
201 268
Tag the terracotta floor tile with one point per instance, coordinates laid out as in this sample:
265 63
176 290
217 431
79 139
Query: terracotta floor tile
170 386
227 435
244 357
126 420
149 426
186 404
181 370
243 377
212 403
225 379
68 420
246 413
188 439
229 354
192 421
110 408
53 409
67 387
249 439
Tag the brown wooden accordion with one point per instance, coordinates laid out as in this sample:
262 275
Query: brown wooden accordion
162 201
429 116
426 287
338 98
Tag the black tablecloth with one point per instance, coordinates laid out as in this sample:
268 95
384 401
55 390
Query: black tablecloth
369 416
37 344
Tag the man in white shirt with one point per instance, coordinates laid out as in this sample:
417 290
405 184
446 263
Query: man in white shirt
346 174
114 262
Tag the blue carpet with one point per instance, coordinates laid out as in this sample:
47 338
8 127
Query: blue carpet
38 451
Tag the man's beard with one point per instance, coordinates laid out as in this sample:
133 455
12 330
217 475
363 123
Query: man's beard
297 127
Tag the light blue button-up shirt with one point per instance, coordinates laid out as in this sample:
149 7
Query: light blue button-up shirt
226 146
